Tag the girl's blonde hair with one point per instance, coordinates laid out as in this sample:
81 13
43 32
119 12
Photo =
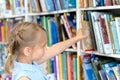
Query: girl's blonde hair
22 35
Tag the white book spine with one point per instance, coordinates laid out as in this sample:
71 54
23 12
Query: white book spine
108 31
43 6
103 31
117 21
97 32
58 3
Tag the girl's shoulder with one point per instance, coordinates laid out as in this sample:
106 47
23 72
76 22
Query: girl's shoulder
17 75
31 71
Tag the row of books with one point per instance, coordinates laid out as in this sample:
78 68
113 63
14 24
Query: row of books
66 67
50 5
97 68
97 3
104 29
12 7
6 26
17 7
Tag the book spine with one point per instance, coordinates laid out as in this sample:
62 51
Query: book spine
104 32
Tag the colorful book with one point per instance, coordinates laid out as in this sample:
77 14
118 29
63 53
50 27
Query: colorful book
117 20
102 75
115 37
49 5
87 43
116 71
96 29
105 37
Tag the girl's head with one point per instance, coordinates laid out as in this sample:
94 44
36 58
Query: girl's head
24 40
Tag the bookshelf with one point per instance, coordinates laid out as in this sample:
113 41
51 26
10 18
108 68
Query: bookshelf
95 15
101 9
77 11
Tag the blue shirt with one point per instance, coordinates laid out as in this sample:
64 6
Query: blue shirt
32 71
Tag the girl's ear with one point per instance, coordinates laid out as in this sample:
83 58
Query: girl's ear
27 51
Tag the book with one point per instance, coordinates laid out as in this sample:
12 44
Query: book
54 40
96 29
108 70
71 4
64 4
88 71
43 6
102 75
115 37
116 70
74 61
86 43
108 20
105 37
87 67
117 19
49 5
69 67
68 28
92 31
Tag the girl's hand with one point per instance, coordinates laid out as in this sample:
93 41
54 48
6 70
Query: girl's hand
80 34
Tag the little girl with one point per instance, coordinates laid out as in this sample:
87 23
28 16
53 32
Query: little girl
27 49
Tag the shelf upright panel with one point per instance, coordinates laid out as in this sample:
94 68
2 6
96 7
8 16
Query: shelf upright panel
78 12
26 10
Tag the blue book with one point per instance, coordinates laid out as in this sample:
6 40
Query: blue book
110 74
38 20
54 40
110 64
71 20
64 4
99 2
108 70
32 3
115 37
102 75
71 3
53 30
88 71
17 3
49 5
56 5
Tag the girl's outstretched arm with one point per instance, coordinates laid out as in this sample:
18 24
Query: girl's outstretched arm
61 46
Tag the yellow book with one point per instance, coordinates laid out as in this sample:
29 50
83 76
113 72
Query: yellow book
79 67
60 66
21 3
116 72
